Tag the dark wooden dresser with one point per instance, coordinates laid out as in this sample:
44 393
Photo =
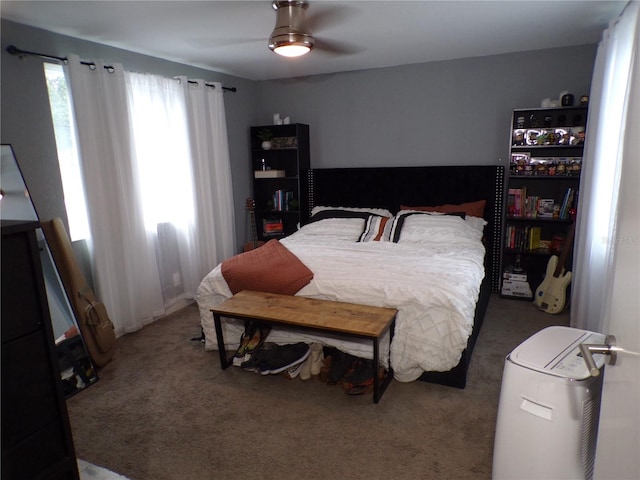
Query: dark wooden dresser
36 436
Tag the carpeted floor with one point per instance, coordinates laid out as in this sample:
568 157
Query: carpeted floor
163 409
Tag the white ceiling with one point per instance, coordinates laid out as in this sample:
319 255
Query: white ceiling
231 36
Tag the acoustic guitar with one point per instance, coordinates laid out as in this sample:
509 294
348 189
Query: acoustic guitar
254 243
95 325
551 295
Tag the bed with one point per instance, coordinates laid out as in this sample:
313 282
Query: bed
437 268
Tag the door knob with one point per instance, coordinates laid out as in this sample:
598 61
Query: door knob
609 348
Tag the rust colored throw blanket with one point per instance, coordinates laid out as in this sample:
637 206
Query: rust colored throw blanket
271 268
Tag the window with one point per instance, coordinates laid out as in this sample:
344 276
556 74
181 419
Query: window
63 124
164 169
162 151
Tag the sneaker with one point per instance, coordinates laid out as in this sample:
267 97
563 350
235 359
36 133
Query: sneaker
361 389
356 386
257 339
341 363
256 362
285 356
326 369
293 372
247 335
314 363
305 368
360 373
317 356
238 361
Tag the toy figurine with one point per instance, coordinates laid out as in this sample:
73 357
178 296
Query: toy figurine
541 169
575 168
577 136
518 139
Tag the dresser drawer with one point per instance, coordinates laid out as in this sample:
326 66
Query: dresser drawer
20 463
27 375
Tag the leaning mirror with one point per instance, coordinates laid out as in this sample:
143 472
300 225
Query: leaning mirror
76 369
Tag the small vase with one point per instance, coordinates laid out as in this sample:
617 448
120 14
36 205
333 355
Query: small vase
266 145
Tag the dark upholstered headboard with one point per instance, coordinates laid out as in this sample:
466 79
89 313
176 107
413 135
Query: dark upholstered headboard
390 187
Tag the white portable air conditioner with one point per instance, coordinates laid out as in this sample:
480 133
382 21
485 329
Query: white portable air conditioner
549 408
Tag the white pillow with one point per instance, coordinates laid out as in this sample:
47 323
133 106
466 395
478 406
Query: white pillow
341 229
428 229
375 211
476 223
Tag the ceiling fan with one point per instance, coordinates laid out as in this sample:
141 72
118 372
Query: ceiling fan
292 35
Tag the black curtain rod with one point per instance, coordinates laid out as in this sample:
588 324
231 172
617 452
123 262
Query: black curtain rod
13 50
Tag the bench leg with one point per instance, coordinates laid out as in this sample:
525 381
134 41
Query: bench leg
379 389
224 360
376 366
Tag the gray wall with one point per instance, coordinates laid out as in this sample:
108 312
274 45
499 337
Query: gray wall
449 112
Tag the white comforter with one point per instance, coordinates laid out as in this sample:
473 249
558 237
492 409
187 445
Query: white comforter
432 276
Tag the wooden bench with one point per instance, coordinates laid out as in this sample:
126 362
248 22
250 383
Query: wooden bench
349 319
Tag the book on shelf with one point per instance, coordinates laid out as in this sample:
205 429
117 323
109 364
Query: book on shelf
521 205
516 271
282 200
268 173
533 241
516 277
514 288
272 226
531 206
515 201
567 203
523 238
515 280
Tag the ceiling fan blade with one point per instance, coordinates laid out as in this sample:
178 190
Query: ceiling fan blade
323 17
210 43
336 48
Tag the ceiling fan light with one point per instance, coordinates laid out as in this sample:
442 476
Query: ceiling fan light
292 50
291 44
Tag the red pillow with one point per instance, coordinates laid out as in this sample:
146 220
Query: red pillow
271 268
473 209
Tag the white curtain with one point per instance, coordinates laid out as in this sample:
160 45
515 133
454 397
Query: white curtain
211 165
606 158
148 248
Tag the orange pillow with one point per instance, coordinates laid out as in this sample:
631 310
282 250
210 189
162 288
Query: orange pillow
271 268
473 209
